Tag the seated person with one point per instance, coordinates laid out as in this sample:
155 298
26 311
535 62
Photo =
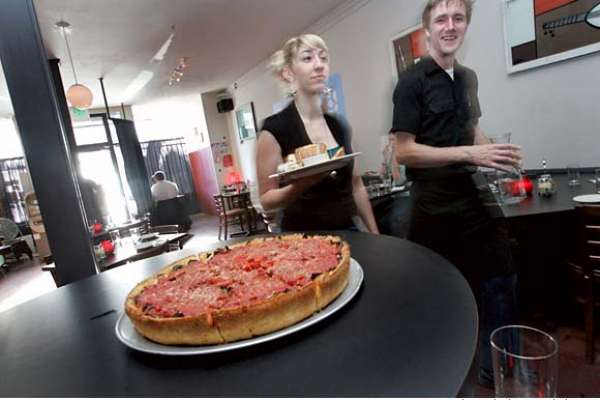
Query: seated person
163 189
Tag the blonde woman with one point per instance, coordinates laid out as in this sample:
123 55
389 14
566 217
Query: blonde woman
326 201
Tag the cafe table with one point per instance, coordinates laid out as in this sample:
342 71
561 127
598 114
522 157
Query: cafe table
543 230
535 205
411 330
125 249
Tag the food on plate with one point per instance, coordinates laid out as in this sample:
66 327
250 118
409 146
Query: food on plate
338 152
240 291
312 154
290 164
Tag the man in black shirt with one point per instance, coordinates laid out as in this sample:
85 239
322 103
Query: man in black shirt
436 112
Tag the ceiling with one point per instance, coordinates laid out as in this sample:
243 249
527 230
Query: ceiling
117 39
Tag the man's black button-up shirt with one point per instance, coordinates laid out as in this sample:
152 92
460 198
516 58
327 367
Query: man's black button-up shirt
439 111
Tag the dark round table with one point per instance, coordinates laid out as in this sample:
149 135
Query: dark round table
410 331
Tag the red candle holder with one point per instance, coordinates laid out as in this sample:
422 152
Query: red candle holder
524 184
97 227
108 246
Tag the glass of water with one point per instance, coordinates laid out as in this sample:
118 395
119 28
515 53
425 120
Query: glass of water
509 183
525 361
573 174
135 234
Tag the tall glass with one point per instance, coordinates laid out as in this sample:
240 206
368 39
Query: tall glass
573 175
509 183
525 362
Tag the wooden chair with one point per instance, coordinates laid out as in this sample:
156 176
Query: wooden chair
584 268
229 213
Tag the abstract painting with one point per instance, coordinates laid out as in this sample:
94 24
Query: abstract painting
539 32
407 48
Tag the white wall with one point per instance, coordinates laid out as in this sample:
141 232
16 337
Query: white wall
218 129
552 111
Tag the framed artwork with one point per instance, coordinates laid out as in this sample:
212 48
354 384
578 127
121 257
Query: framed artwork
407 48
246 123
540 32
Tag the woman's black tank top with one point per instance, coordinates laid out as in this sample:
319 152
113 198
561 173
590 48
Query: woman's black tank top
329 204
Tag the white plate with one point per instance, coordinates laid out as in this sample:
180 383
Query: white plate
149 244
130 337
148 236
318 168
587 198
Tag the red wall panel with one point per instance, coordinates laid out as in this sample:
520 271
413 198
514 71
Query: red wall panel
205 178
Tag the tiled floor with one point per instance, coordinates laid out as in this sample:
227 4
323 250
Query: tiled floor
26 280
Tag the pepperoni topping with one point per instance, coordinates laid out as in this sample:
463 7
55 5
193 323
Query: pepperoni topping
239 277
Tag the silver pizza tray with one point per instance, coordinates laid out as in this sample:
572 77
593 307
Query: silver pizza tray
127 334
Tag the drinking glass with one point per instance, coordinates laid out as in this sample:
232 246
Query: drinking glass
509 183
115 236
597 179
503 138
525 362
135 234
573 174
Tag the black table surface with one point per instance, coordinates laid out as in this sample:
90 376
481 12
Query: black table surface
410 331
561 201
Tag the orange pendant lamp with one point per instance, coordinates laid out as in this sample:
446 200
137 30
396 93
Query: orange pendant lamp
78 95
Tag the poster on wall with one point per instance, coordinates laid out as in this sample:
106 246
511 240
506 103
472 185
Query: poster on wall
333 98
219 150
246 123
407 48
540 32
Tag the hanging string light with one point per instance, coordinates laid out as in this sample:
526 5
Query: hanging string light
177 73
78 95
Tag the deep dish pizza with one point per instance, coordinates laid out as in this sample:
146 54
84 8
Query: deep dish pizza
245 290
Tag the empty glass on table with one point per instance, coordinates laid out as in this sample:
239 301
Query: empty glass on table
573 174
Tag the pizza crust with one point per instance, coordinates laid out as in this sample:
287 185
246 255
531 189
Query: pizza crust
227 325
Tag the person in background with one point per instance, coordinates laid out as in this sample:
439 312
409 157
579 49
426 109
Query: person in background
438 138
322 202
163 189
93 199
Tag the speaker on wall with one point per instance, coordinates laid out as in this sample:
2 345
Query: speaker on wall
225 105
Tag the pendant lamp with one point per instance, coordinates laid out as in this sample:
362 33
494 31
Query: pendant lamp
78 95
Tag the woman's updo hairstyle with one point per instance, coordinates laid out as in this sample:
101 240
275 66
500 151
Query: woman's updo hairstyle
283 57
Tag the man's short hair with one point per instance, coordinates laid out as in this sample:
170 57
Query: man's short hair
431 4
159 175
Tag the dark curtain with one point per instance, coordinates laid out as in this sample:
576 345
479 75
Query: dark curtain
4 206
11 190
170 155
153 156
175 165
135 168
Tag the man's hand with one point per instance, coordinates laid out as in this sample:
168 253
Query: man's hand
498 156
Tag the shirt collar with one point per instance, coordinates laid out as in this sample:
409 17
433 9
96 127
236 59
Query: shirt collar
430 66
